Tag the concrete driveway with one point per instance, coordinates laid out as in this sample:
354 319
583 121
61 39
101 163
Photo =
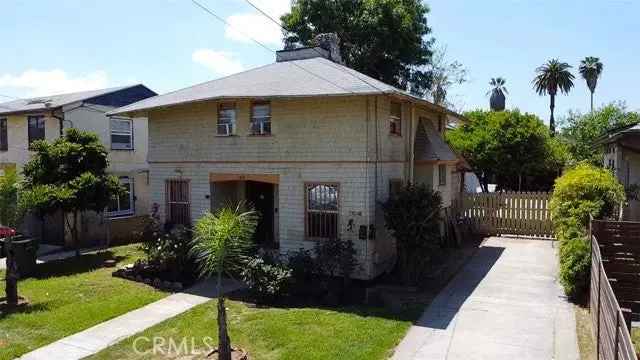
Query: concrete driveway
504 304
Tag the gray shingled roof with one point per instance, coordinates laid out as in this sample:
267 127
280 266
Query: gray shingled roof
430 146
54 101
298 78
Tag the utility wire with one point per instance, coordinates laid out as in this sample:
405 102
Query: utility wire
219 18
265 14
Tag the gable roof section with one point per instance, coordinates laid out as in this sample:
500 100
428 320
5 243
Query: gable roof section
430 146
298 78
56 101
615 134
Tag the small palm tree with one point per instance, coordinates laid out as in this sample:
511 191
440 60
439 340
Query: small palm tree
590 69
552 76
497 91
221 243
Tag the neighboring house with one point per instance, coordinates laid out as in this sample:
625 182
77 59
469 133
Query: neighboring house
26 120
314 145
622 155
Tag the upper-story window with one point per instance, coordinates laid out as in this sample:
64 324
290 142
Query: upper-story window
35 128
121 134
442 174
261 118
226 119
4 139
395 118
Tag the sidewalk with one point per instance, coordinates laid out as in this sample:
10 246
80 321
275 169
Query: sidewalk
43 255
101 336
504 304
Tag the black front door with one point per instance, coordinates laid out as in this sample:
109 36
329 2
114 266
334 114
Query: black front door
260 195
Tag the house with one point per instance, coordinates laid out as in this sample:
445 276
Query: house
622 155
313 144
26 120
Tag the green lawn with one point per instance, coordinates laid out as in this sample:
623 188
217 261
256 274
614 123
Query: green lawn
71 295
274 333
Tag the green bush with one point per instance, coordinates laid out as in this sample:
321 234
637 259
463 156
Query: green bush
413 218
267 281
582 191
169 253
575 265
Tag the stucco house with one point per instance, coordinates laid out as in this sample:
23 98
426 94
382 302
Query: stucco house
313 144
26 120
621 148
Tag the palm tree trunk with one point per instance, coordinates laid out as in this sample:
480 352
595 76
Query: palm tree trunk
552 122
591 101
11 276
224 344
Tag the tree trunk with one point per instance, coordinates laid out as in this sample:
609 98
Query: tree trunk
11 276
552 122
519 182
224 344
74 233
591 101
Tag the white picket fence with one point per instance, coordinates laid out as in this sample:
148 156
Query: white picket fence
501 213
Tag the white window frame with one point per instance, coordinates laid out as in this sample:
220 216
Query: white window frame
230 126
132 208
260 120
395 122
129 133
442 174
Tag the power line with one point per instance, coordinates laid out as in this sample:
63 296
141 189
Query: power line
219 18
265 14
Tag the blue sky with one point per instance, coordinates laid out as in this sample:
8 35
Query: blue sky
66 45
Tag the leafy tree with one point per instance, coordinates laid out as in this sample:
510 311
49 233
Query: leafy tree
512 149
552 76
385 39
497 91
9 216
222 241
69 175
590 70
413 218
581 130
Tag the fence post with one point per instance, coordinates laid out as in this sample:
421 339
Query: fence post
598 327
615 354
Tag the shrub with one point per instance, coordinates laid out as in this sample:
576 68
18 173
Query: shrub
303 270
267 281
413 218
575 265
335 257
582 191
170 252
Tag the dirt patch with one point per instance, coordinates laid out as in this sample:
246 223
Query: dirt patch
586 342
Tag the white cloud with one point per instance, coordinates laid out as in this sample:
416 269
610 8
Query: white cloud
40 83
244 26
220 62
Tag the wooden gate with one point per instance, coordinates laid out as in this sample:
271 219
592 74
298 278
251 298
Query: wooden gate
514 213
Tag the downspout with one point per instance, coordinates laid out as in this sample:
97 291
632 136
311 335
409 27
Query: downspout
412 142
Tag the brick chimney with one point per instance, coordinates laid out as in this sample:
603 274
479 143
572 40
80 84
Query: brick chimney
323 45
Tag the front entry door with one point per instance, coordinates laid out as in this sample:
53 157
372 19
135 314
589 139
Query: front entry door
261 196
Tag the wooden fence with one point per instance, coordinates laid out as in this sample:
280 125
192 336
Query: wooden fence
614 282
516 213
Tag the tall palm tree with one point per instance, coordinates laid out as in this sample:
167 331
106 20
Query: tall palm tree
221 243
497 91
552 76
590 69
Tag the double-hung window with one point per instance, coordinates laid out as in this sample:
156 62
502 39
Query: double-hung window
4 139
122 205
395 118
261 118
442 174
226 119
322 210
121 134
35 130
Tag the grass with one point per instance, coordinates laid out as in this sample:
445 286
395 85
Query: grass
635 337
71 295
586 342
272 333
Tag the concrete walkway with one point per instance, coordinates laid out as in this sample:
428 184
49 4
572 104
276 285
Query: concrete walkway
101 336
505 304
45 253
